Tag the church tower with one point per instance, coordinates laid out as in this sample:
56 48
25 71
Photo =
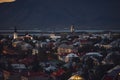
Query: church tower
72 29
15 35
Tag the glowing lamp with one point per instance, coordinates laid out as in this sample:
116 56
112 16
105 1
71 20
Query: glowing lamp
76 77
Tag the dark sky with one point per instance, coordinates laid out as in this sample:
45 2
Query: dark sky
60 14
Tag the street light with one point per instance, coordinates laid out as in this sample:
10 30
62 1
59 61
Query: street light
76 77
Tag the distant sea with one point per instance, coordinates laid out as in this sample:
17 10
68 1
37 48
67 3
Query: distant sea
40 31
59 31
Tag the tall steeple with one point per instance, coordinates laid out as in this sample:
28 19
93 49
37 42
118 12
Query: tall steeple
72 29
15 35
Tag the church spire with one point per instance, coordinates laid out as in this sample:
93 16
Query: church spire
72 29
15 35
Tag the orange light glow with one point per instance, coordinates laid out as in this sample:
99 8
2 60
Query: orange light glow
3 1
76 77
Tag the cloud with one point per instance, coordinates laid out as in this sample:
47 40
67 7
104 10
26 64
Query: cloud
3 1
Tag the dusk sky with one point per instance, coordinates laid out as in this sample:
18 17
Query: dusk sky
60 14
